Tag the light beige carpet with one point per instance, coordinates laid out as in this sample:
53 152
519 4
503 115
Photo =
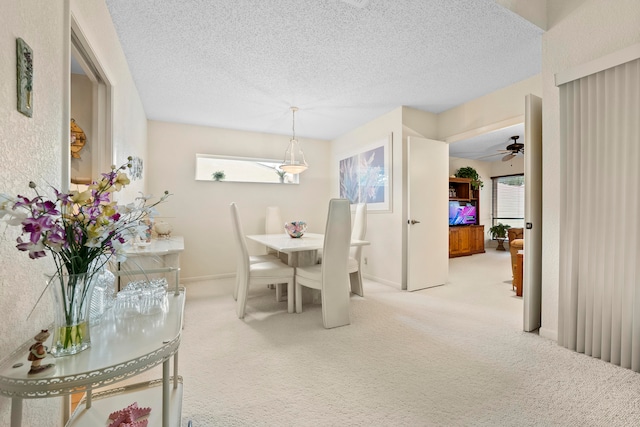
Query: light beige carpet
448 356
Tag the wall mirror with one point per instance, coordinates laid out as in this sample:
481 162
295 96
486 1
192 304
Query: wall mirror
241 169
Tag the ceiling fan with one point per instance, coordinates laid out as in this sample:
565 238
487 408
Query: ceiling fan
511 150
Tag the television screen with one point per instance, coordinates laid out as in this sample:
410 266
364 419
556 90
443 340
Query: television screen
461 214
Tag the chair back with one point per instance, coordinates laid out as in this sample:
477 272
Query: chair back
241 245
358 229
515 233
273 223
335 276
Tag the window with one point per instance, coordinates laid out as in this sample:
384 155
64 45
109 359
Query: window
508 200
241 169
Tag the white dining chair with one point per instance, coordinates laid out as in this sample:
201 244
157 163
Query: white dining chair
358 232
330 277
260 273
273 225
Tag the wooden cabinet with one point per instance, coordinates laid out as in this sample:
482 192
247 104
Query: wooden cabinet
466 240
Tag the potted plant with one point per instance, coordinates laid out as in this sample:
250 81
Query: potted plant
218 176
499 232
281 174
469 172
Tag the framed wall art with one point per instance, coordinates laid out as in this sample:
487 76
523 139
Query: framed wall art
24 63
365 177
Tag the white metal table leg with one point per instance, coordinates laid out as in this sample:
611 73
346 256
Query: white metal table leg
16 412
165 393
175 370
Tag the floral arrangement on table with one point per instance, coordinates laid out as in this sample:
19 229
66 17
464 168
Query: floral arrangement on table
81 231
295 229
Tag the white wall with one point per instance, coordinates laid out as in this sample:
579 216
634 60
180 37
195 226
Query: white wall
384 230
579 31
32 149
497 107
199 210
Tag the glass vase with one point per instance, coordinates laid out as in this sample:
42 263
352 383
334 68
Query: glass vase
72 301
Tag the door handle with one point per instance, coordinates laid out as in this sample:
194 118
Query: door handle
413 221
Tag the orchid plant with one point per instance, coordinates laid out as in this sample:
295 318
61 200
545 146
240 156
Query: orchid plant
81 230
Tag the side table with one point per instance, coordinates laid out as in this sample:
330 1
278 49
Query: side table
517 280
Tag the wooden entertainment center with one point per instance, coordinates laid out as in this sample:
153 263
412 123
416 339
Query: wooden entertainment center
465 239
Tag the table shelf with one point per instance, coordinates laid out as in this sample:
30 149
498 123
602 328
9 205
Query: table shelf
121 347
146 394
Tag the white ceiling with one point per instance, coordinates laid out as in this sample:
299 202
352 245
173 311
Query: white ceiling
241 64
489 146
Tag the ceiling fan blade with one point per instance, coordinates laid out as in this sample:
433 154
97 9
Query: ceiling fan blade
508 157
490 155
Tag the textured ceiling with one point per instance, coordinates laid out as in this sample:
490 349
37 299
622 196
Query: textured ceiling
489 146
241 64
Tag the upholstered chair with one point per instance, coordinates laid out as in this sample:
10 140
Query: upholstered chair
331 277
260 273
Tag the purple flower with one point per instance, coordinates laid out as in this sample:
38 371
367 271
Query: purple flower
37 226
35 250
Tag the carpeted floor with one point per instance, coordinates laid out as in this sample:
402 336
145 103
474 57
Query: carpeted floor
448 356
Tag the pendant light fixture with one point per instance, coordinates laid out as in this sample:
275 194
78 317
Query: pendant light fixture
294 161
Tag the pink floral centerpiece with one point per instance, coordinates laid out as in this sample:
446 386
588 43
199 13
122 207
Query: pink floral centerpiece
295 228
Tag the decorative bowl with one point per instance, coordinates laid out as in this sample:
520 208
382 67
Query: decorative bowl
163 229
295 228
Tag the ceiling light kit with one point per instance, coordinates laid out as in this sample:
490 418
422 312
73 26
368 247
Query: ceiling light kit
514 148
294 161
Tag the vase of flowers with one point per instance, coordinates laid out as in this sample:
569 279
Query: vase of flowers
72 297
81 231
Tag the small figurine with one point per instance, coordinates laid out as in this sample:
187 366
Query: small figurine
37 352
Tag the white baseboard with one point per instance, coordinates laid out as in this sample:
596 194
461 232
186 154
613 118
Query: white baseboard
202 278
383 281
549 334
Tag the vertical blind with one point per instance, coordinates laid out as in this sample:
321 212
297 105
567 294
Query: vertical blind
599 295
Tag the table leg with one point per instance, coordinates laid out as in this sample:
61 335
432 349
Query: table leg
519 274
16 412
165 393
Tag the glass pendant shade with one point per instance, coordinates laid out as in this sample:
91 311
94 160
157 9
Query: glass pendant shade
294 161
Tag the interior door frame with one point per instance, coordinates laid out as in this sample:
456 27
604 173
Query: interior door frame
102 96
532 276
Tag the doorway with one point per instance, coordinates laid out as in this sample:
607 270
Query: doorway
90 112
479 149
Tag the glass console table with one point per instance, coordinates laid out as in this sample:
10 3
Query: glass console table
121 347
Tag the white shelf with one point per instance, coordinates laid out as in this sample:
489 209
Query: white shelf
121 347
147 394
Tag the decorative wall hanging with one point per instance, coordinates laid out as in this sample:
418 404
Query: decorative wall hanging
365 177
77 138
135 170
24 63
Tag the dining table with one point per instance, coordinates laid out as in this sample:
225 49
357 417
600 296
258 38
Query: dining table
297 251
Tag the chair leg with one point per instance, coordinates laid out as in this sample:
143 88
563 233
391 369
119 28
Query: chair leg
298 294
241 303
235 288
356 283
278 292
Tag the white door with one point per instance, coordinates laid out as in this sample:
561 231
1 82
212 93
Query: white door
532 276
427 224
